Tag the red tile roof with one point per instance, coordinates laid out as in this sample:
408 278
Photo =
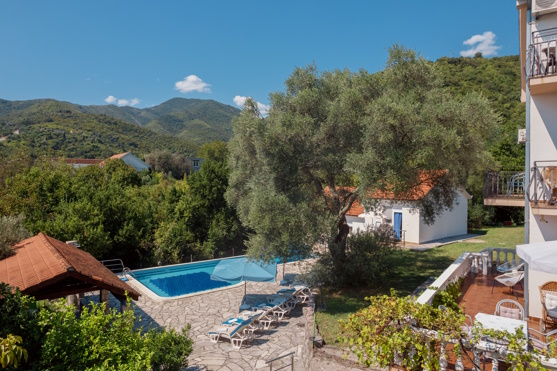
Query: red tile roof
119 155
427 181
47 269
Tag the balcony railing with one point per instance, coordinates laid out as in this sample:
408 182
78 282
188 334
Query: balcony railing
543 183
542 53
542 189
509 184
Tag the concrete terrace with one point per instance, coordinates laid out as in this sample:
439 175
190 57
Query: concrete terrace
205 311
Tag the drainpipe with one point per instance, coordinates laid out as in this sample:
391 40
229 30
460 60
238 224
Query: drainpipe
527 173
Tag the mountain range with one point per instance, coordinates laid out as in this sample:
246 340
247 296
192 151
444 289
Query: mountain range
54 128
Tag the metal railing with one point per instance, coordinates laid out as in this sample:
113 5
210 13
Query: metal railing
543 182
509 184
542 53
115 265
270 362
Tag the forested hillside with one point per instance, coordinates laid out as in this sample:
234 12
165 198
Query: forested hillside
499 80
51 128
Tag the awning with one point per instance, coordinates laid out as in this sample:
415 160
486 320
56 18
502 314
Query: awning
541 256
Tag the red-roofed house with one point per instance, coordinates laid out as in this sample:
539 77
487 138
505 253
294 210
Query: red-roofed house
406 219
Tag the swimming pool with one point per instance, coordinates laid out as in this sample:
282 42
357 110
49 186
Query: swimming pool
181 279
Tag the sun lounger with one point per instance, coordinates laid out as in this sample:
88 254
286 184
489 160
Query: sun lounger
267 318
237 335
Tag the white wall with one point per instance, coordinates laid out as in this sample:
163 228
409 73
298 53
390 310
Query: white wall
450 223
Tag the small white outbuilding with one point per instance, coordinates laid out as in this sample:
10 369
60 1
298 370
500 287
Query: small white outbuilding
406 220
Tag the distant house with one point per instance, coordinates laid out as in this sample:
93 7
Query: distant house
196 162
131 160
406 220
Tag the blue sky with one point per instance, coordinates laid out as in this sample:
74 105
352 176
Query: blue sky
142 53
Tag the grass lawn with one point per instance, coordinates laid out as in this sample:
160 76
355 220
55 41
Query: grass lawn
412 268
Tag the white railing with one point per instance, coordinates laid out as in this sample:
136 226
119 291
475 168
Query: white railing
460 268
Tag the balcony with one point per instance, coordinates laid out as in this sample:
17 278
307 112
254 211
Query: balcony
504 188
541 63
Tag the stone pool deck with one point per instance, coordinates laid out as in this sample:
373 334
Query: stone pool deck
205 311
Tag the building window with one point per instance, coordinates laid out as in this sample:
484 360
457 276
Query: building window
195 163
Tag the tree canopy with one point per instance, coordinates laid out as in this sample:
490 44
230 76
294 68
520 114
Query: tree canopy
379 133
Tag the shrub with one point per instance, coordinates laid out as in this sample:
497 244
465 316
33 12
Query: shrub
170 349
449 296
369 259
479 215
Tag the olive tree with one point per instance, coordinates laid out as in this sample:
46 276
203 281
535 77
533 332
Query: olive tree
383 133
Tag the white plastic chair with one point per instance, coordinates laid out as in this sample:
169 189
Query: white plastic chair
509 279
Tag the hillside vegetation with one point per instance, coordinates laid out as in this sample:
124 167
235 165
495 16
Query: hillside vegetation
52 128
499 80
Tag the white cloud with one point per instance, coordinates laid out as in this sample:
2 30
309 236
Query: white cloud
128 102
484 43
111 99
192 83
240 100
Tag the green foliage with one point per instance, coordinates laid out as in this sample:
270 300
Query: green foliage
449 296
11 353
170 349
94 341
369 260
479 216
214 151
381 130
390 328
115 212
173 164
16 318
57 339
11 232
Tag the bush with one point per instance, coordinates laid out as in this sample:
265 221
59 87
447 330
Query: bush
17 319
369 259
479 215
170 349
449 297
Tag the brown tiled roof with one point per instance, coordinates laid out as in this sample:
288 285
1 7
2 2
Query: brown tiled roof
47 268
427 181
119 155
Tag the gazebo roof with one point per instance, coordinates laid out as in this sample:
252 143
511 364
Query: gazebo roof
47 269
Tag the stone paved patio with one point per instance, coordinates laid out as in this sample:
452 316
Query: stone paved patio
205 311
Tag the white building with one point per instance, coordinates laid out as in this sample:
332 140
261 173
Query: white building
535 188
407 222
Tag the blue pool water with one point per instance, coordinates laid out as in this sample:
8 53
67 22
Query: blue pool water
181 279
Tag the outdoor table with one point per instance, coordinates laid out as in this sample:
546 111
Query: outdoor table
498 323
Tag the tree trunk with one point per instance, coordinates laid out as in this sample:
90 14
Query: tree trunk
337 247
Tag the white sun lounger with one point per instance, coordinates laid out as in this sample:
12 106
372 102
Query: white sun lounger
237 335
